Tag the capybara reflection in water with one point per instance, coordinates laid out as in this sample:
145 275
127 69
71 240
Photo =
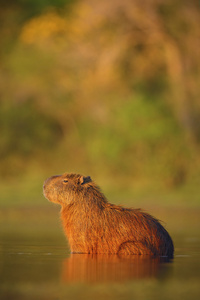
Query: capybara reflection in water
93 225
104 268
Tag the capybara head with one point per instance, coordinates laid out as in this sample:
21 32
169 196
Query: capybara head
65 189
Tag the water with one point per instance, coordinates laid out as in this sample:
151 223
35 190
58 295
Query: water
36 264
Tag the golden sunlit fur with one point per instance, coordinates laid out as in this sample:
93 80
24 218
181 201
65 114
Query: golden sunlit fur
93 225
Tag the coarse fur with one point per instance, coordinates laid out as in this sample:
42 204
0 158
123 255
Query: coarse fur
93 225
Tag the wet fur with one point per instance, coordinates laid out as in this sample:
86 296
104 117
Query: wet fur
93 225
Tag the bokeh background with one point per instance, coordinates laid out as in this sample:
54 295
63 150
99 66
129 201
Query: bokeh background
109 89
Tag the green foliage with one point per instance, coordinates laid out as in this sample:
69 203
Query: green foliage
29 8
25 132
138 140
105 89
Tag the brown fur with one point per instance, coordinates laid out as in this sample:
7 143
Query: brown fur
93 225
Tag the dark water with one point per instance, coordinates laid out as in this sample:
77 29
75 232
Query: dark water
39 266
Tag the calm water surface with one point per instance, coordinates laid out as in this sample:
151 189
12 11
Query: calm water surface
39 266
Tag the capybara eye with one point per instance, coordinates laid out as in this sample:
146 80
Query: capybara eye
65 180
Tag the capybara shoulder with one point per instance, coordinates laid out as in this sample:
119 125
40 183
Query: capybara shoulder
93 225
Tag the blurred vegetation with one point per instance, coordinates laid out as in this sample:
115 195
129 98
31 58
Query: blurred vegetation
109 89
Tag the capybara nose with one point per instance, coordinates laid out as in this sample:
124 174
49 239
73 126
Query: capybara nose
49 179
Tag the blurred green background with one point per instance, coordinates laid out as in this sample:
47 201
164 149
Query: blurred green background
109 89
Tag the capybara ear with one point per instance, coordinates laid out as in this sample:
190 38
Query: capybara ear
84 180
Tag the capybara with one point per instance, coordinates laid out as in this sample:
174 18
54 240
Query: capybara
93 225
